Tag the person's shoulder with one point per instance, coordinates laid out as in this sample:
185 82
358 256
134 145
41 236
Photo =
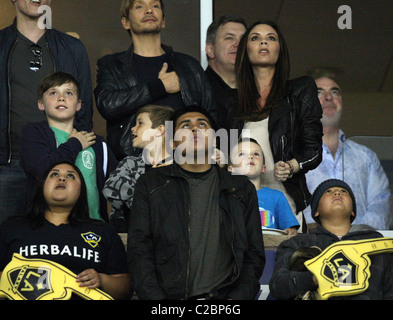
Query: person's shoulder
271 191
132 162
301 80
112 58
13 223
156 175
360 150
7 30
299 241
236 181
72 41
35 126
186 58
300 84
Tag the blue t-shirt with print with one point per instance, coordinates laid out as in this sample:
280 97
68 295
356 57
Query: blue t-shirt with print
275 210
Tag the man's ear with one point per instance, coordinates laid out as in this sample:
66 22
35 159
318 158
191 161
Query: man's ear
229 168
41 105
210 50
125 23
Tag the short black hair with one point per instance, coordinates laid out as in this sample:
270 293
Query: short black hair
194 108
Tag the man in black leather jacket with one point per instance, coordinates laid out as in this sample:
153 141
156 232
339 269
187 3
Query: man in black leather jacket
195 229
147 73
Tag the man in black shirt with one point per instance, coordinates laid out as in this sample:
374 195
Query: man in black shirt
147 73
195 229
222 41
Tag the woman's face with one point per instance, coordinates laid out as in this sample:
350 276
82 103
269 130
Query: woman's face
263 45
62 186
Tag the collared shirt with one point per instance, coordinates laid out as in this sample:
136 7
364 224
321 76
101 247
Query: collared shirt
360 167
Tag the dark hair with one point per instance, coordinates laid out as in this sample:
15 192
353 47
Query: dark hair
38 206
193 108
247 92
211 33
57 79
126 6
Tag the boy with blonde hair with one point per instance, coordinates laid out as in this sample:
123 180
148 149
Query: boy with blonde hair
148 134
273 206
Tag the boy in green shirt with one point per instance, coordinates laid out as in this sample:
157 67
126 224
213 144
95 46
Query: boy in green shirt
47 142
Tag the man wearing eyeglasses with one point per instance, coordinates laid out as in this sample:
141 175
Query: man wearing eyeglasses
349 161
27 54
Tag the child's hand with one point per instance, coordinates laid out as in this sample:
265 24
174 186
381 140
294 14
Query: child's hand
87 139
291 231
219 157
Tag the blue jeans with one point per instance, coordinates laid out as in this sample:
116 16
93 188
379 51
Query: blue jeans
12 190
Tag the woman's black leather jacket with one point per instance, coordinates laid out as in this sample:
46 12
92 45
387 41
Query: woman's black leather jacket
295 131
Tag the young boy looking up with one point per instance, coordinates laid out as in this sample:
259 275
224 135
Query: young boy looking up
333 207
274 208
147 134
47 142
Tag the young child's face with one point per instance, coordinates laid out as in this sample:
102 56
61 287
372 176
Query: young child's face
142 133
248 160
335 200
61 102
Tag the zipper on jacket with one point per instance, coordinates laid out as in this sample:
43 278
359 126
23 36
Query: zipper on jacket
307 161
283 142
9 101
304 195
233 248
53 58
160 186
187 290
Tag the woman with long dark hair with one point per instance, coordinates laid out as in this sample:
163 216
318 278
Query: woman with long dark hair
282 115
57 227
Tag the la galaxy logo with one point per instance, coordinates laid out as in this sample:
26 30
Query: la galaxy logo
30 283
340 270
87 159
91 238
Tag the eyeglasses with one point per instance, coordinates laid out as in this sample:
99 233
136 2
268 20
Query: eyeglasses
36 64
